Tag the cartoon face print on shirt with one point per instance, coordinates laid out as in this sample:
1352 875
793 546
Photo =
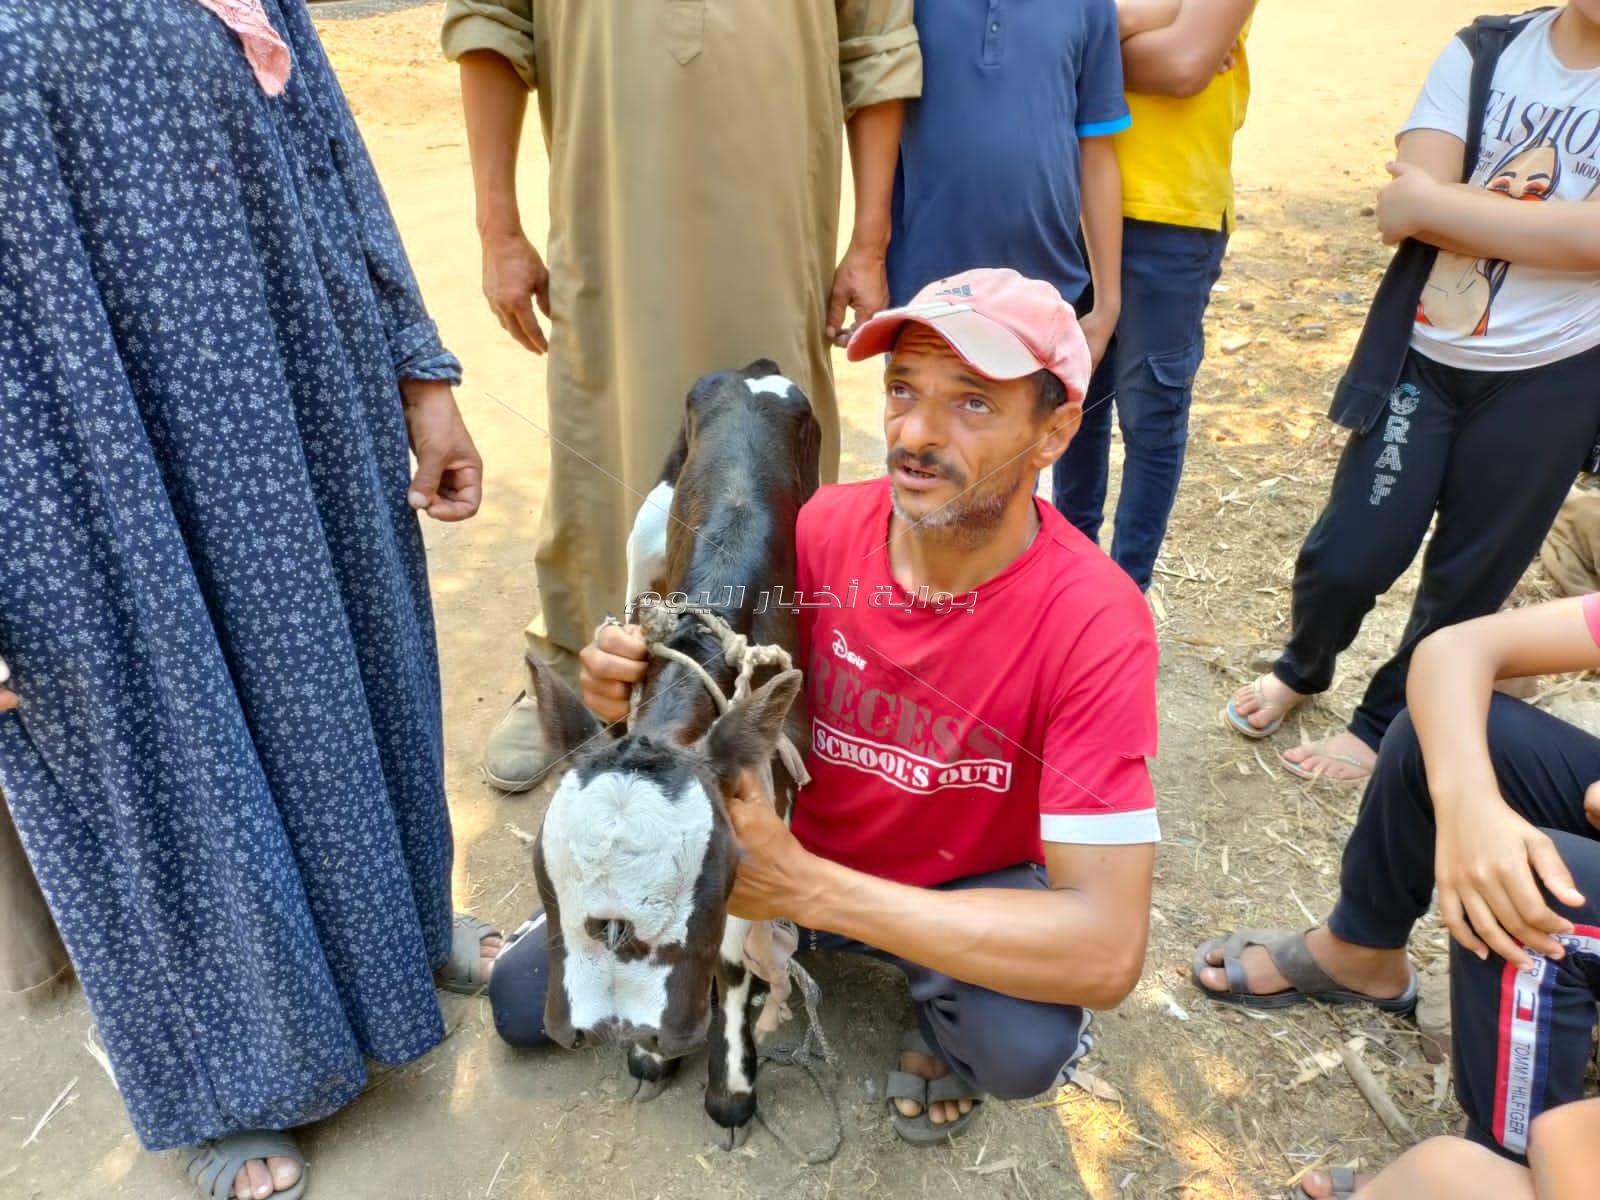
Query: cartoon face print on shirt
1527 174
1460 292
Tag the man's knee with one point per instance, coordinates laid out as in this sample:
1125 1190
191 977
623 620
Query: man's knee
1020 1053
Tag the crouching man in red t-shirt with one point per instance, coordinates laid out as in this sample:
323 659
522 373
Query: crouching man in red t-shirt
956 749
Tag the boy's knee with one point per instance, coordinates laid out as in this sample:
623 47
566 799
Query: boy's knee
1445 1161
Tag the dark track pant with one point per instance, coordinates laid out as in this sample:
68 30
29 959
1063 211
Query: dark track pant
1520 1040
999 1044
1493 453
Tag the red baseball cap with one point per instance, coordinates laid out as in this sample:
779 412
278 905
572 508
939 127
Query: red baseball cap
1002 324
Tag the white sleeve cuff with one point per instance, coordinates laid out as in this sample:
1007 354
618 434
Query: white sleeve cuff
1101 829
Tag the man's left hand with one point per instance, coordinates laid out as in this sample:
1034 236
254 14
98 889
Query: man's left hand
774 868
861 283
1403 205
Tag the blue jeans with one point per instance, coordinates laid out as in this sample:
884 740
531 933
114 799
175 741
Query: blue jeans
1149 369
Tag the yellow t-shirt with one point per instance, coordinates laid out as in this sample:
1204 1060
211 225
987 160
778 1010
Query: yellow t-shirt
1177 156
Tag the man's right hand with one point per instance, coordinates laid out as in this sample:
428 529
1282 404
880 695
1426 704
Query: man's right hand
608 667
1489 863
514 276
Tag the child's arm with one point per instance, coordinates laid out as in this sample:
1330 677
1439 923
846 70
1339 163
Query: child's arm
1488 861
1142 16
1182 58
1102 234
1555 236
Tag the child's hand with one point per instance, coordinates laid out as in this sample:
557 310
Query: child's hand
1403 205
1098 326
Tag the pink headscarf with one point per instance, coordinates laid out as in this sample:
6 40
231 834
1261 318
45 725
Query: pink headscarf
264 50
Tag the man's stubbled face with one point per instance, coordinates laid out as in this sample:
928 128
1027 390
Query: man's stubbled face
959 445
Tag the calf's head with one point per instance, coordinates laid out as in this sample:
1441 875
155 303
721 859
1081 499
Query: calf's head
635 862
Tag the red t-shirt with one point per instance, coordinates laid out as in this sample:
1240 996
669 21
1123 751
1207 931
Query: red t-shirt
950 743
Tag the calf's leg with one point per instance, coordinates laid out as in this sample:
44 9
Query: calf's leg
731 1070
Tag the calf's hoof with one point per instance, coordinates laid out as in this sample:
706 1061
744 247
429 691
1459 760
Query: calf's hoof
735 1136
652 1072
649 1089
734 1112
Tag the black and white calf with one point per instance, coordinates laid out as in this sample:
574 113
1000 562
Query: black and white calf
635 860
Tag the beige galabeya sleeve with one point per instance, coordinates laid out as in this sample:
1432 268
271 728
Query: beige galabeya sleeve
879 58
502 26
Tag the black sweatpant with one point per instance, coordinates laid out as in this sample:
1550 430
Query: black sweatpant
1520 1039
1493 452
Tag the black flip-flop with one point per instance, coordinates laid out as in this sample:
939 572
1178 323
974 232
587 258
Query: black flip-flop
1307 980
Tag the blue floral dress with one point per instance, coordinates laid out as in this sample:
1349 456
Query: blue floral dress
227 769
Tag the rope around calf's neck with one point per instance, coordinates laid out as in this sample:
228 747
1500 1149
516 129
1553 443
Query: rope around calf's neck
658 622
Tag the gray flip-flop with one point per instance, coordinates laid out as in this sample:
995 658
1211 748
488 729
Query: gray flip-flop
1344 1186
463 970
1241 723
212 1166
904 1085
1307 980
1321 775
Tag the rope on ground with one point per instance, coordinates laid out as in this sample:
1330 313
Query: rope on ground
807 1056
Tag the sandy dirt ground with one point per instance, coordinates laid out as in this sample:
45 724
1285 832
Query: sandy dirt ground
1198 1102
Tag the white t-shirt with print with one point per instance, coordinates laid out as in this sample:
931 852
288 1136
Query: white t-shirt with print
1541 144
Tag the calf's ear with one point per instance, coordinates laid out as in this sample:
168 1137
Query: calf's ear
742 739
566 723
